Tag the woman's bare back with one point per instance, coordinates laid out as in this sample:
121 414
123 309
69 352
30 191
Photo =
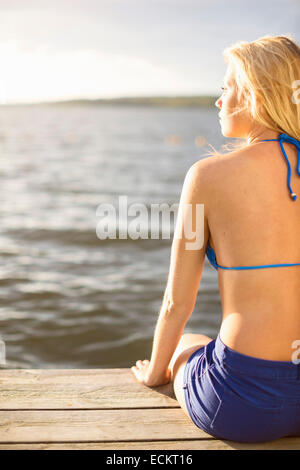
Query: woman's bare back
253 221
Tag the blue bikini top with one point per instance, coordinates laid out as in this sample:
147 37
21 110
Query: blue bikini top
210 253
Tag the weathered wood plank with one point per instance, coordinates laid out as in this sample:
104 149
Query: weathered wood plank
79 389
288 443
96 425
99 409
115 376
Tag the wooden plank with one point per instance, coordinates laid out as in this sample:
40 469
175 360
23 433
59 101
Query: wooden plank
96 425
80 389
115 376
288 443
99 409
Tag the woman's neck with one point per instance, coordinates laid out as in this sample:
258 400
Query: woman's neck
256 136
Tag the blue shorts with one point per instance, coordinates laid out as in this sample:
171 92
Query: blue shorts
241 398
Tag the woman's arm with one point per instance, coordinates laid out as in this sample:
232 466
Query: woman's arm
186 266
168 331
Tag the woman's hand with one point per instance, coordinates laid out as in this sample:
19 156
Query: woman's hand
142 373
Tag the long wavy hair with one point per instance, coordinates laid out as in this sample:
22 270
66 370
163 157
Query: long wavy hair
267 79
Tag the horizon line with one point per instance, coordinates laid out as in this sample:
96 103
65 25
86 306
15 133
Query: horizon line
201 99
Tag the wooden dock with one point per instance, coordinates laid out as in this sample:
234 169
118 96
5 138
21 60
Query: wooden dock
99 409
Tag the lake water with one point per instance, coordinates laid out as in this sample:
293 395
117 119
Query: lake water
69 299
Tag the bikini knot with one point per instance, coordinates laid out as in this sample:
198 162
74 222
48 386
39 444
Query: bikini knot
287 138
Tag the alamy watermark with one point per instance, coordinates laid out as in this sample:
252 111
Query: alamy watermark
296 354
188 222
296 94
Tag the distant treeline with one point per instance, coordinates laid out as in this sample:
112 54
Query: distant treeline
169 101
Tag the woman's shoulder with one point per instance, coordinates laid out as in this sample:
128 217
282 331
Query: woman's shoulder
220 177
216 166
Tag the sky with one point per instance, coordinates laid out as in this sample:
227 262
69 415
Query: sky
71 49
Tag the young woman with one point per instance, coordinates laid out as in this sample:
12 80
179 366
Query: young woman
245 384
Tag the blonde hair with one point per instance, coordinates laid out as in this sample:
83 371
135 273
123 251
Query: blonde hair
267 72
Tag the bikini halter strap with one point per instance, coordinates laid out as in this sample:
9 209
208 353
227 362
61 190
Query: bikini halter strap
286 138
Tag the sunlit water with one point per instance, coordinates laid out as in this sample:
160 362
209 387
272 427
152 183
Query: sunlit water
69 299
